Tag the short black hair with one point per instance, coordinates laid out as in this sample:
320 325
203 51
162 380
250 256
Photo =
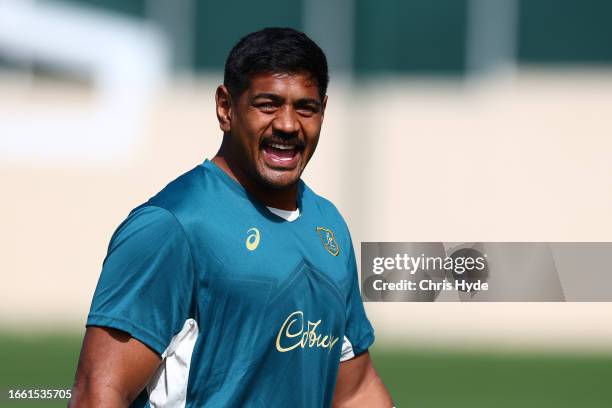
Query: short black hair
274 50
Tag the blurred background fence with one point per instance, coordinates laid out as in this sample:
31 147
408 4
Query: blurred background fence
448 120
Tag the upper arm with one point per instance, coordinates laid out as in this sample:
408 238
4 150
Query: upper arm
113 369
358 385
147 283
143 298
358 330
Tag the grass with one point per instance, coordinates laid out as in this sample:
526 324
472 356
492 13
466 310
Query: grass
415 378
472 380
46 361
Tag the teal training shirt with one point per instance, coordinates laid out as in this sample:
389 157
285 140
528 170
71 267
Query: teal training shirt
245 308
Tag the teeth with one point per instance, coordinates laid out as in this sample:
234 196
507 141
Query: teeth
282 146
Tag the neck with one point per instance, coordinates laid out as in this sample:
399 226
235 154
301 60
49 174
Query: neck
282 198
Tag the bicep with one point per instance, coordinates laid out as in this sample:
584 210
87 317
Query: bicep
358 385
350 375
113 368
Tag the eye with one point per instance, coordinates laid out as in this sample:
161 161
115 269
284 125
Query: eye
266 106
307 110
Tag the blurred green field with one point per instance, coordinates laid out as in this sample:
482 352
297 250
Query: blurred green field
415 378
474 380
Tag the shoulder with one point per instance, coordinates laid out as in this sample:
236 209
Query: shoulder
147 226
162 215
181 191
189 198
325 206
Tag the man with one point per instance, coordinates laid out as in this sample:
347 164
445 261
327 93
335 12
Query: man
236 285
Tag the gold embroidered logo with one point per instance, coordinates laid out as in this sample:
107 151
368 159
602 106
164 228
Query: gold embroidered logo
293 332
252 241
328 240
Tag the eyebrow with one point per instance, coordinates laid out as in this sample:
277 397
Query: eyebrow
278 99
305 101
271 96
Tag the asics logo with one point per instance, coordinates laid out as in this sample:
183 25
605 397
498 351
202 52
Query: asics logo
252 241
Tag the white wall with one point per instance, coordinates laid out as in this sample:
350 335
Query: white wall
527 158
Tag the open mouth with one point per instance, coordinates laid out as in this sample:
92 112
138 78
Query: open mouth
281 154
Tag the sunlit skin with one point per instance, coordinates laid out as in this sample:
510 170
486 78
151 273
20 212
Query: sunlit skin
276 108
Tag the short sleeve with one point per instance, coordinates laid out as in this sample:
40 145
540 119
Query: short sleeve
359 332
146 286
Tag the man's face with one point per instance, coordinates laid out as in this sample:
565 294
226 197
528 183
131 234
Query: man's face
275 126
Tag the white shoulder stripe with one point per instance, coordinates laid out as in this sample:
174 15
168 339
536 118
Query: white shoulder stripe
168 387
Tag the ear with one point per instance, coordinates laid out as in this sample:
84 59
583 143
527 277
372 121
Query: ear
323 105
223 101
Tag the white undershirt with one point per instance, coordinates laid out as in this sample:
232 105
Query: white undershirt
285 214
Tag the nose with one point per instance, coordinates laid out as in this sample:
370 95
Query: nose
286 121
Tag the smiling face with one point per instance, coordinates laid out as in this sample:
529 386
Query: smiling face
272 128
